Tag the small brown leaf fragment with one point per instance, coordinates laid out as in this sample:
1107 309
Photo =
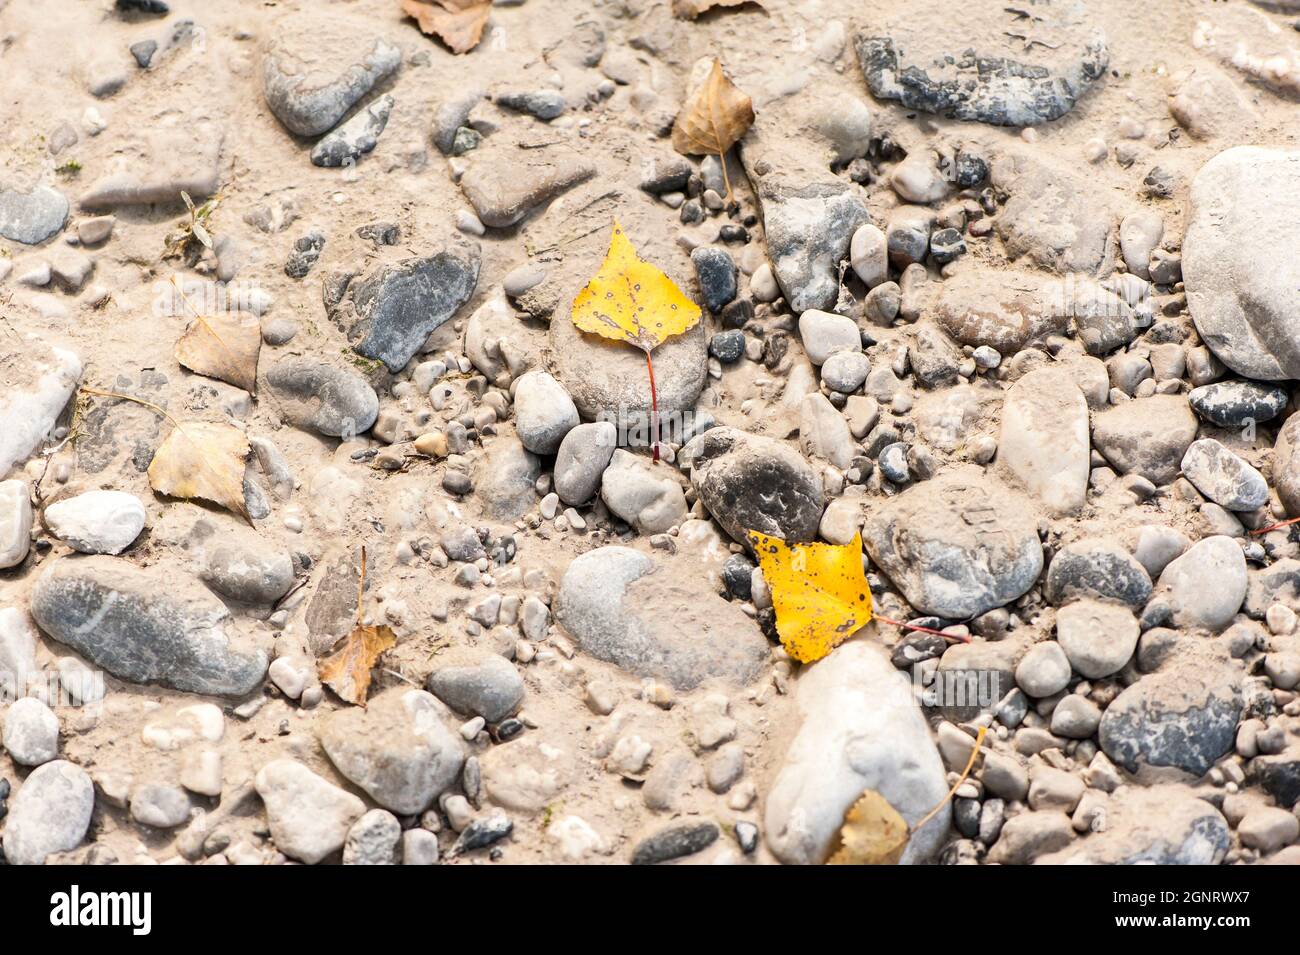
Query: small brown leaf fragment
347 670
458 23
690 9
873 834
223 345
204 460
714 117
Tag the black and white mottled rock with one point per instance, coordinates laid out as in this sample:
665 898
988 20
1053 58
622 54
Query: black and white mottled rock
581 460
1053 219
315 69
147 625
332 401
647 617
309 817
358 136
505 479
1223 476
399 749
1207 584
956 546
751 482
373 839
34 216
966 73
859 729
492 688
1044 441
544 412
96 522
39 380
1238 208
1147 436
50 813
1100 568
1237 403
1183 715
396 307
304 255
505 182
1162 825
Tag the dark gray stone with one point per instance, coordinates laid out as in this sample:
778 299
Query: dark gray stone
356 137
154 625
493 689
332 401
1098 568
505 479
1234 404
716 273
674 842
749 482
398 306
542 104
305 254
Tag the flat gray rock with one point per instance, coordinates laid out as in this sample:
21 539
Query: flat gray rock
32 217
993 64
147 625
50 813
332 401
655 620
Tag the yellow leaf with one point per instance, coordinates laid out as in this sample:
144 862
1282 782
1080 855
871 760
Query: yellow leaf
819 591
224 345
873 834
458 23
204 460
347 670
713 118
632 301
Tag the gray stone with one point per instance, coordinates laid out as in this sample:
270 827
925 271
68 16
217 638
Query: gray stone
964 72
31 732
956 546
645 495
1044 440
750 482
492 689
505 183
1207 584
50 813
1237 212
997 309
170 154
160 805
39 380
318 66
17 653
332 401
544 412
1237 403
96 522
247 570
1075 717
1286 465
824 432
400 749
1224 477
397 306
373 839
1183 715
825 333
581 460
1100 568
505 480
646 617
1098 638
1161 825
309 818
1157 545
683 839
859 729
1148 436
15 523
543 104
716 273
845 371
147 625
1044 670
358 136
32 217
1031 835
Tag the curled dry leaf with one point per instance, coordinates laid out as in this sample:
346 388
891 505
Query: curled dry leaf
713 119
224 345
204 460
873 834
458 23
819 592
346 671
690 9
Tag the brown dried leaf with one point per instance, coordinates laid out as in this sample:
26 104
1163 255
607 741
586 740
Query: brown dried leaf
225 346
204 460
458 23
873 834
347 670
690 9
714 117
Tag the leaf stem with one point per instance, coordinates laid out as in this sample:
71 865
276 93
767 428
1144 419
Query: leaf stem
912 626
654 407
970 764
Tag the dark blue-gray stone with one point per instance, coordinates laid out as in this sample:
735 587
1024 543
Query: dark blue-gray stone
1234 404
1097 568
